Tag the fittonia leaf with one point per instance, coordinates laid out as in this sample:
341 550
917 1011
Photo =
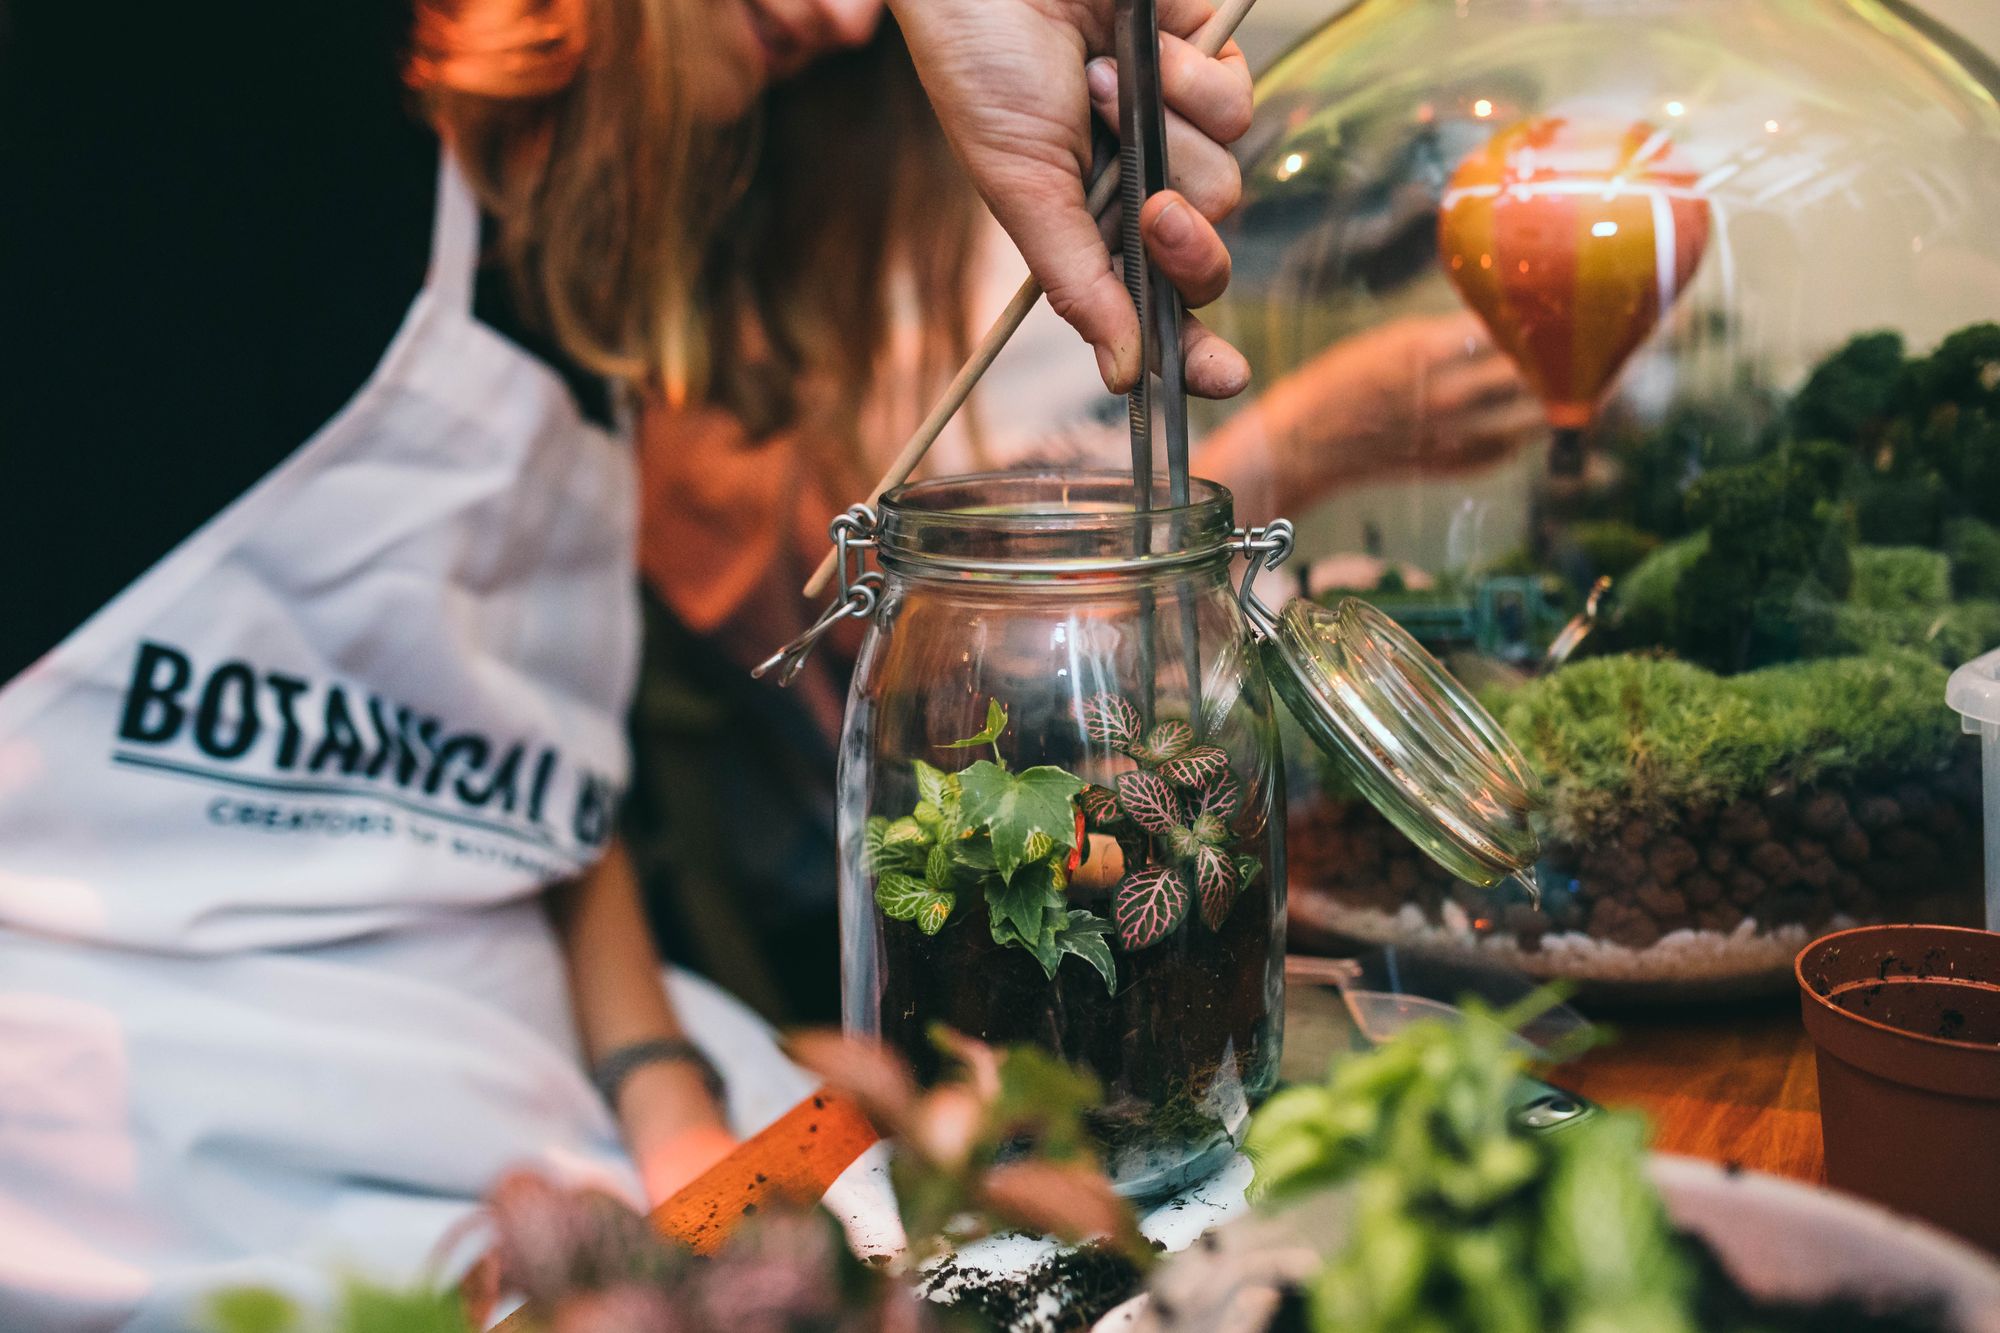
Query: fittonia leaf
905 897
1149 801
1111 719
1216 884
1148 906
1196 767
1013 807
1164 742
1221 797
1100 806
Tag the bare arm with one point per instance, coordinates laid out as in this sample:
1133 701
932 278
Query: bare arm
671 1125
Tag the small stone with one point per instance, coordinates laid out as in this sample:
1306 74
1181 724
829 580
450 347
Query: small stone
1824 814
1702 890
1851 845
1916 850
1774 862
1815 863
1722 917
1661 903
1743 824
1671 857
1876 813
1635 834
1621 923
1745 887
1719 858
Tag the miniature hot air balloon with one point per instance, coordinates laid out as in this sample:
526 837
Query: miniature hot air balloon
1570 240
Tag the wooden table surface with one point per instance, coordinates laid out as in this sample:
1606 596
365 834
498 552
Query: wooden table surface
1732 1087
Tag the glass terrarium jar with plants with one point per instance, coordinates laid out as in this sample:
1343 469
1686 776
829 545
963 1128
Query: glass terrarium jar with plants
1061 793
1739 256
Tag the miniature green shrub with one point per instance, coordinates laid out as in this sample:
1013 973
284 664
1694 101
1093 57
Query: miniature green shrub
1888 578
1611 546
1643 601
1974 549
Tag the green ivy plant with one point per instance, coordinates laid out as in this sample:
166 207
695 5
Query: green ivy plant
1011 841
988 834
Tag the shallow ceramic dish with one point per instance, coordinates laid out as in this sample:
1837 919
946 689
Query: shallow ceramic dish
1789 1241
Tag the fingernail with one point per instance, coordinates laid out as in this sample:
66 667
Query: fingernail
1174 225
1107 369
1102 78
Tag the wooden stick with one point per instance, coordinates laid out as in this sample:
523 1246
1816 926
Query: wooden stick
1214 35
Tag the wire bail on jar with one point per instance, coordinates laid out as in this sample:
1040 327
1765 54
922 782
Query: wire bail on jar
1263 549
854 534
860 592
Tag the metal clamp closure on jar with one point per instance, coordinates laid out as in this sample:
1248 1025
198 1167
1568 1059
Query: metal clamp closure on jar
856 532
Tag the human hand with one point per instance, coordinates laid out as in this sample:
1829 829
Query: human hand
1009 80
672 1126
1428 395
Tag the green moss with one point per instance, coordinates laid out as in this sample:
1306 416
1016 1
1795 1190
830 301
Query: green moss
1616 738
1643 601
1898 577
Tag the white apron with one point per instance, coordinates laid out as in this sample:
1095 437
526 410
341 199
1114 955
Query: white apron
277 995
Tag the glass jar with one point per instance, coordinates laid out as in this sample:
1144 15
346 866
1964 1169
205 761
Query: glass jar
1061 790
1689 296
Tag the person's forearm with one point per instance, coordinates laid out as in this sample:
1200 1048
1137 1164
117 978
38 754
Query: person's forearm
670 1120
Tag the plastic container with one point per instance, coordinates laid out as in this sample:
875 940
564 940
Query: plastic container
1974 691
1906 1025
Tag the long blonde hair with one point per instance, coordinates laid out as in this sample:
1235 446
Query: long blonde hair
573 119
749 266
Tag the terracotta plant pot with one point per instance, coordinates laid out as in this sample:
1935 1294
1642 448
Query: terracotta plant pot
1906 1020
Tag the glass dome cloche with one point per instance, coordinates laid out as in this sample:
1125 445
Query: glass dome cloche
1681 321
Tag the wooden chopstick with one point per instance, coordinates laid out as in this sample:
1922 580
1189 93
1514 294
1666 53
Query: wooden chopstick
1214 35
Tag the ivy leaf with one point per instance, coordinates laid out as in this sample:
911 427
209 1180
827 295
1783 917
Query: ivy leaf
1149 801
1148 905
1088 937
1196 767
1215 881
1029 914
1221 796
1014 807
1165 741
974 853
1100 805
1111 719
1247 870
996 722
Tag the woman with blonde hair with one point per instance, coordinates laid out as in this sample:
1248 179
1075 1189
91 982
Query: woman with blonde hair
313 681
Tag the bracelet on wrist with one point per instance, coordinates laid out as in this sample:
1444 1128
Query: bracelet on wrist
615 1070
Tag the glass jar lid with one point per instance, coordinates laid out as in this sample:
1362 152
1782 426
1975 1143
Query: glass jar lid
1416 743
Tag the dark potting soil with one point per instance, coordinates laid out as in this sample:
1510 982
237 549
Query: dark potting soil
1869 849
1192 1015
1080 1286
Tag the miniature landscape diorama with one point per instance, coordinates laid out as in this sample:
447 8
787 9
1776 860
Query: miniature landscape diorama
1752 746
1123 919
